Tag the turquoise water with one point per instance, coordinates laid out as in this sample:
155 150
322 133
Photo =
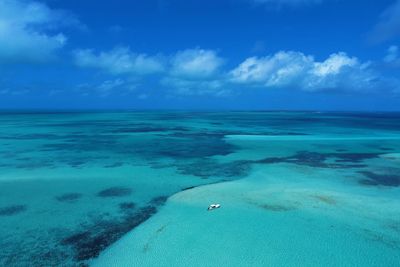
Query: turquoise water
131 189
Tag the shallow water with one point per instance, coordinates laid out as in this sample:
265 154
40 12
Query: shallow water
93 188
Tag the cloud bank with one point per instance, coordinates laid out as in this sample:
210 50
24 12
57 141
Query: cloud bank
28 31
195 63
120 60
392 55
199 71
297 70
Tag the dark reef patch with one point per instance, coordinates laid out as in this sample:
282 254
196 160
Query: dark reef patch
86 143
188 188
12 210
275 207
34 165
158 201
222 133
69 197
353 157
325 199
147 129
184 148
117 191
386 240
386 148
206 168
380 179
114 165
127 206
285 133
178 144
367 182
30 137
76 163
87 243
314 159
24 159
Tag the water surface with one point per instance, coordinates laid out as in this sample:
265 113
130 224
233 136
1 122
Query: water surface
95 188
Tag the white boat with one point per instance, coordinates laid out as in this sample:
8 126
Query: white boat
214 206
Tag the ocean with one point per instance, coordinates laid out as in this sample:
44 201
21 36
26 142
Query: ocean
132 188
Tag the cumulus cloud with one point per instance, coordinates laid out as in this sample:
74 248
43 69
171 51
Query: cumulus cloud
388 25
28 31
107 87
278 69
195 72
120 60
199 72
392 55
297 70
195 63
190 71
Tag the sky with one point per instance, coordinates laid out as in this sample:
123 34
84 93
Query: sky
203 54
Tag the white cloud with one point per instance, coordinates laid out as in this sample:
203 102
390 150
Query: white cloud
388 25
27 31
392 54
186 64
120 60
278 69
195 63
297 70
191 71
392 57
200 72
195 72
334 64
107 87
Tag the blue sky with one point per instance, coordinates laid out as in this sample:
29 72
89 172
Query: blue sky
226 54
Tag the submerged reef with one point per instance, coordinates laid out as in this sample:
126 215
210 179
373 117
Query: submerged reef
206 168
315 159
94 237
117 191
12 210
325 199
114 165
387 179
69 197
276 207
272 206
127 206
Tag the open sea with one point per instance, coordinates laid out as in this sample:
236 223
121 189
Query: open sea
132 189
